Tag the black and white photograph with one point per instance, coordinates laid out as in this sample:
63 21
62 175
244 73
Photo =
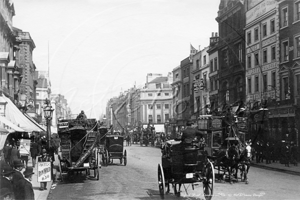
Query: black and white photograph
149 99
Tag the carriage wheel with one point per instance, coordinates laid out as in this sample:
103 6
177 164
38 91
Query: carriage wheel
107 157
176 190
125 158
161 181
209 180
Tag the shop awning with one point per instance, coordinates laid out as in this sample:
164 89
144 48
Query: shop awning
14 115
3 135
12 126
34 122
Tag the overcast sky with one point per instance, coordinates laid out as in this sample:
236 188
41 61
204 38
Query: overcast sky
99 47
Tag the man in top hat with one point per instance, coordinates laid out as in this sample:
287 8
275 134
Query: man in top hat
189 134
24 186
6 176
17 176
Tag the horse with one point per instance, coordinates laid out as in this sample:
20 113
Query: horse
227 159
244 163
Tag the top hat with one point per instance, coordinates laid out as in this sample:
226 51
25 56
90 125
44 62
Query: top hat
28 171
18 163
7 170
4 192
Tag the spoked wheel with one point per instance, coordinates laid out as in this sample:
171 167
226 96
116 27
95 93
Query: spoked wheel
177 189
107 157
208 181
125 158
161 181
97 173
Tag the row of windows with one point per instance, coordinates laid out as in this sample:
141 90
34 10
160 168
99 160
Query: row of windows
269 53
264 32
158 118
158 106
265 83
158 94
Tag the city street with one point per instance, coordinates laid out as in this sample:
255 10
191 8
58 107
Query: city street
138 180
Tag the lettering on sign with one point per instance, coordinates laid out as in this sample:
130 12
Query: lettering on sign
260 10
269 41
216 123
252 48
44 171
269 66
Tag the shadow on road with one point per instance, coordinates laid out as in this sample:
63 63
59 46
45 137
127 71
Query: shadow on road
154 194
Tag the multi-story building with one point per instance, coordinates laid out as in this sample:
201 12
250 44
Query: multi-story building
286 113
262 45
156 102
187 100
27 89
200 71
213 72
43 91
231 47
60 104
10 69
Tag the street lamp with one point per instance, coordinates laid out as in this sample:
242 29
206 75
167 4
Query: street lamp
48 111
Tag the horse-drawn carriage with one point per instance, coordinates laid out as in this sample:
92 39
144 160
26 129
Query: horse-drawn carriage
185 164
228 153
114 145
78 152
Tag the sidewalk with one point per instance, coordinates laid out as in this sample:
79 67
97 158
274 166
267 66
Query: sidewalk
38 194
277 166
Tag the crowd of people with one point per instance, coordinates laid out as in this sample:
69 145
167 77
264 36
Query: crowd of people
16 174
285 152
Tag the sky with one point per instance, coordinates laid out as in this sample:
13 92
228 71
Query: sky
95 49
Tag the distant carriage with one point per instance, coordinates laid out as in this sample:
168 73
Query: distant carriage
115 149
185 164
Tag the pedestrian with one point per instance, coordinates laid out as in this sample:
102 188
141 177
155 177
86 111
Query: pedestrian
15 154
24 186
44 158
189 134
17 175
34 152
7 151
6 194
6 177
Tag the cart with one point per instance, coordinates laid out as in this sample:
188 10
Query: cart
184 165
78 152
115 149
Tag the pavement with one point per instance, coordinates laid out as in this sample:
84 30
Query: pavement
277 166
38 194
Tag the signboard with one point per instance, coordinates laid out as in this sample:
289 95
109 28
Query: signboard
216 123
24 147
44 171
260 9
63 125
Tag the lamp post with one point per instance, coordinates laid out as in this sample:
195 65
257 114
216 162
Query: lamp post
48 111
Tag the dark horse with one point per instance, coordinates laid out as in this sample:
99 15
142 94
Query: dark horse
244 163
227 160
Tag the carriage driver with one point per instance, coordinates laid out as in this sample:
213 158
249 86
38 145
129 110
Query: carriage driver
190 134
